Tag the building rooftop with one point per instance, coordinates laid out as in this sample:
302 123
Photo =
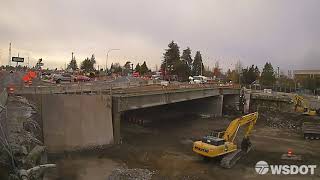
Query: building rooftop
296 72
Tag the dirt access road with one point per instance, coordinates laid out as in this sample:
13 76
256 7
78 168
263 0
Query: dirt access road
165 148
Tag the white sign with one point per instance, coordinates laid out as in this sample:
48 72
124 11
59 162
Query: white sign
262 167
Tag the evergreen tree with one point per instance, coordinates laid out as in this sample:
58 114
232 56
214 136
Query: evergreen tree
197 64
73 64
186 56
257 72
250 74
171 57
116 68
144 68
268 76
93 60
182 70
88 64
137 69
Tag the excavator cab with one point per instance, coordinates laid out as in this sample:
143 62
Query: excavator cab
216 141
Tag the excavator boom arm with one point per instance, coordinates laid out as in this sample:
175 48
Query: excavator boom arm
300 101
232 130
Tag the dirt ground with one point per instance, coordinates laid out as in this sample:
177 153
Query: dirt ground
165 149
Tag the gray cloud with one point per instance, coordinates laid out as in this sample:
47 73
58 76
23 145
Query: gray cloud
284 32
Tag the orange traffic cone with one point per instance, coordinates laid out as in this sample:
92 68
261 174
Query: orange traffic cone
11 90
289 152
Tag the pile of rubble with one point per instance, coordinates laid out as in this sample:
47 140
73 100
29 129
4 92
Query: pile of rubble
25 147
282 120
131 174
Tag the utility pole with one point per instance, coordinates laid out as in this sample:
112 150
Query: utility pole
108 57
9 62
28 63
278 72
132 69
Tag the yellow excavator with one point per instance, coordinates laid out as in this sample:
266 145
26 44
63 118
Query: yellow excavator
221 144
302 105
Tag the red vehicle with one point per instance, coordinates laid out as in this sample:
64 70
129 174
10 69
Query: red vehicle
136 74
81 78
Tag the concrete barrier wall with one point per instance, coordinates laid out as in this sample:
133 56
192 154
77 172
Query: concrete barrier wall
72 122
3 113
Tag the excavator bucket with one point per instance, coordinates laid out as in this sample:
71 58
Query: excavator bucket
246 145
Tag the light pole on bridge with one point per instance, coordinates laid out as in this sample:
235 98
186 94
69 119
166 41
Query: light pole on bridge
108 56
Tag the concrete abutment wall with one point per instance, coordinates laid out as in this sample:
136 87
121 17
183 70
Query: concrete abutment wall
73 122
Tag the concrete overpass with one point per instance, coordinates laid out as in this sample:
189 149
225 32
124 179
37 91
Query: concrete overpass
73 120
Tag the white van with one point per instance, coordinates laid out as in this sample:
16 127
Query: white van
198 80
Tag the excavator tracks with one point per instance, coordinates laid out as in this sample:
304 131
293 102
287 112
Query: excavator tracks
229 160
311 130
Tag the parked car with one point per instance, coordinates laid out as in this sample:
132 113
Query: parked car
81 78
197 79
58 78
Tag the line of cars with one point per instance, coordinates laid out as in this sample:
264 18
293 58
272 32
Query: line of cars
66 77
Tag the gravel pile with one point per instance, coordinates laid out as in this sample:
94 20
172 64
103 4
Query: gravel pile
282 121
131 174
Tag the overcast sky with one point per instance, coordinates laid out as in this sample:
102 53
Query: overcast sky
284 32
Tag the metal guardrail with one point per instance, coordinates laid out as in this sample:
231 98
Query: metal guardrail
131 87
3 97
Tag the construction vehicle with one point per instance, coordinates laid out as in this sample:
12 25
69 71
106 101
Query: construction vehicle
311 130
221 143
302 105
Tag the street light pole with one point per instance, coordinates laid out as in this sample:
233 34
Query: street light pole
108 56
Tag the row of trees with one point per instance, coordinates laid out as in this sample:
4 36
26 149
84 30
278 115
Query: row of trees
267 78
87 65
251 74
184 65
128 68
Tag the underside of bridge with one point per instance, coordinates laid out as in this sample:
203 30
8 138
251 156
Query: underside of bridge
206 107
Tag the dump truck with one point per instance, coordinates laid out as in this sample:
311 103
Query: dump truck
311 130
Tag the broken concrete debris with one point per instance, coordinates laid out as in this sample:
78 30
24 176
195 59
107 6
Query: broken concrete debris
131 174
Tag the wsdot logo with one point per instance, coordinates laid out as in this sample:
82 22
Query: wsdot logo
262 167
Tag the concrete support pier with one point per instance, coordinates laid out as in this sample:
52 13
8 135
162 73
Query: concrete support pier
116 120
